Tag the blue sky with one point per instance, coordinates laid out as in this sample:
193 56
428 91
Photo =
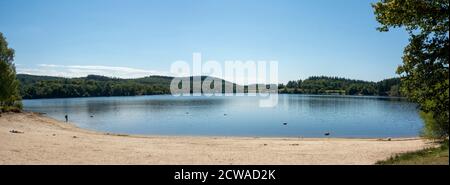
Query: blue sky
138 37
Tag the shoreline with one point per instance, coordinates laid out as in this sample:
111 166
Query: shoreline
223 137
47 141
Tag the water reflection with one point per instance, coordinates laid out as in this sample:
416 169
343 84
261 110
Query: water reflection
307 116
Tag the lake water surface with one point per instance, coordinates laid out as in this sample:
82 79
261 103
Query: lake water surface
305 115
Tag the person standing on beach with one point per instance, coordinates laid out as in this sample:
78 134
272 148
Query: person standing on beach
67 118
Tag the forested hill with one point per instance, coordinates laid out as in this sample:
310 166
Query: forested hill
336 85
32 86
57 87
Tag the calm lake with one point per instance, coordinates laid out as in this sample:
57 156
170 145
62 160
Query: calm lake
305 115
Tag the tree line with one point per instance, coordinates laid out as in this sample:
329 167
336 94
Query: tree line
344 86
32 87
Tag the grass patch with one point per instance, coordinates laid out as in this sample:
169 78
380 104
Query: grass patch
428 156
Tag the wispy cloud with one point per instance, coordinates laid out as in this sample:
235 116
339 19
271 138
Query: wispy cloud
84 70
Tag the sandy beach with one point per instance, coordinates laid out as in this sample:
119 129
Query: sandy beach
31 138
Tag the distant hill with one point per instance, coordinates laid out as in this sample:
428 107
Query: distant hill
33 86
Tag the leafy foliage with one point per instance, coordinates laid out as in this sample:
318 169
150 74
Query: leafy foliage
9 86
424 71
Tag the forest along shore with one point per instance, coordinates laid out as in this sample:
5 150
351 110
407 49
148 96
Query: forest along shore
31 138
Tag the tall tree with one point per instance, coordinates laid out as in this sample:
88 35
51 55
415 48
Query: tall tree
9 85
424 70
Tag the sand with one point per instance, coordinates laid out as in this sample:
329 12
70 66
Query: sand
48 141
